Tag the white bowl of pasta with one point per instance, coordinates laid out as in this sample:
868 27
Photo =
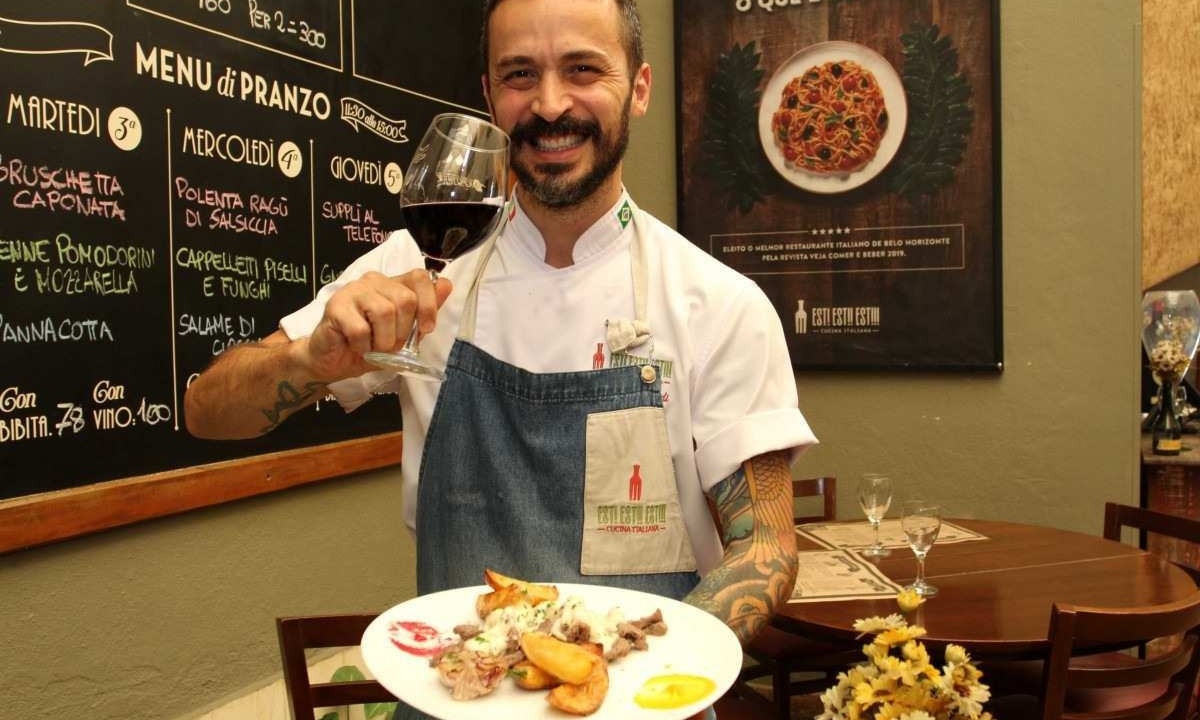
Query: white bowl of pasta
832 116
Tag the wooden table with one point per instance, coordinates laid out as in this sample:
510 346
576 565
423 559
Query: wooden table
994 595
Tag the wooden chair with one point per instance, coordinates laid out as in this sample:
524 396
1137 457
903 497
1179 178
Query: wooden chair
297 634
780 654
1117 516
1024 677
1082 688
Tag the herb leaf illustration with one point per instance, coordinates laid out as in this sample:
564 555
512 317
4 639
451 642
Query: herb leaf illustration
729 144
940 115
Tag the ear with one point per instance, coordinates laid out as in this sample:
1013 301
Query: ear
640 97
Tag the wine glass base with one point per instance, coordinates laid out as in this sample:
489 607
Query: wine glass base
405 364
923 589
875 551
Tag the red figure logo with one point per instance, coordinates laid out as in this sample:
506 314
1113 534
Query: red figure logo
598 358
635 484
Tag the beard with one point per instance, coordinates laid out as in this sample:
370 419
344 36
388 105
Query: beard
546 182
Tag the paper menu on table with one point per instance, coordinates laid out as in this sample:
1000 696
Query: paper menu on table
859 535
826 575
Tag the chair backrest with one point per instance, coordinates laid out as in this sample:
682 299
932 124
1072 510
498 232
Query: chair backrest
1157 689
826 487
297 634
1117 516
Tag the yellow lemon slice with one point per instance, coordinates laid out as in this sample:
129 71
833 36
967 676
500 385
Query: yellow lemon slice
909 600
664 692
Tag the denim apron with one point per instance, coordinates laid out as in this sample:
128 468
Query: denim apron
555 477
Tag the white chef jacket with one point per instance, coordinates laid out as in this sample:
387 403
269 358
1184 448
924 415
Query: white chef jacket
728 387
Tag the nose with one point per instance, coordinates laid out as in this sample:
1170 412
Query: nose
553 98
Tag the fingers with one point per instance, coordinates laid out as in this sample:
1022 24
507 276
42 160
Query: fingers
377 312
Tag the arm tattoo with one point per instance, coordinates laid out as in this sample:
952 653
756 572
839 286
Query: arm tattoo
759 567
290 399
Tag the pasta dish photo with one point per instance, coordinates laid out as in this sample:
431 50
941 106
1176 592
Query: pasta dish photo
832 116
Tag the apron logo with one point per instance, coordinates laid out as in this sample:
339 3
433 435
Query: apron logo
632 518
635 484
625 215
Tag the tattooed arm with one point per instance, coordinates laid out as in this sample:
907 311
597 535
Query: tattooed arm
759 568
250 389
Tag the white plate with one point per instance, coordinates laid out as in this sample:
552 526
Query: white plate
893 97
696 643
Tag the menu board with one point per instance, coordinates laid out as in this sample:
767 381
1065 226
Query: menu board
175 176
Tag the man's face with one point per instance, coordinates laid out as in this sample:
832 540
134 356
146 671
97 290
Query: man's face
559 84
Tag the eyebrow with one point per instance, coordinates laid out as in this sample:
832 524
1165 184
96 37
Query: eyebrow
570 57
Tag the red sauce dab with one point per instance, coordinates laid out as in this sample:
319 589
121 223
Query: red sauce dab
416 638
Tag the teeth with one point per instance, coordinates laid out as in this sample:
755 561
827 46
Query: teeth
555 144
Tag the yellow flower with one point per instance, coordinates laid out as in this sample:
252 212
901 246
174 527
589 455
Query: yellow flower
899 681
899 636
909 600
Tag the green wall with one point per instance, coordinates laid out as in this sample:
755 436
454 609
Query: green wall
167 617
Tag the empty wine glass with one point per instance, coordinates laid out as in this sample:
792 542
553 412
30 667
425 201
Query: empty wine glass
875 497
921 522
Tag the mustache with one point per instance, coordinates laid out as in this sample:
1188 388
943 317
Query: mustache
536 127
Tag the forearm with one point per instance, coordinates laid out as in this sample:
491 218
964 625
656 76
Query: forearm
249 390
758 570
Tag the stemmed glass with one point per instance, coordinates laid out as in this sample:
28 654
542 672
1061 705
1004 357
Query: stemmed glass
451 200
875 497
921 522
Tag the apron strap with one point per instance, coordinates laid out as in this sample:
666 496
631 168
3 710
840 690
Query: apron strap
622 334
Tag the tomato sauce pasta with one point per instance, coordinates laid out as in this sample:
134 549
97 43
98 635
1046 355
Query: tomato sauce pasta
831 119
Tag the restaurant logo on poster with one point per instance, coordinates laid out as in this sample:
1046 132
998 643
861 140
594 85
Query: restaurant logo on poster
837 320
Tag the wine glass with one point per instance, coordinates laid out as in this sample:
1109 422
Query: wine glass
921 522
875 497
451 199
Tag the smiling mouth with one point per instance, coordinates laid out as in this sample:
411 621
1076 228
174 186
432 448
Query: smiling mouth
557 143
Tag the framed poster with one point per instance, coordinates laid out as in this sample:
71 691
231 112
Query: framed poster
844 155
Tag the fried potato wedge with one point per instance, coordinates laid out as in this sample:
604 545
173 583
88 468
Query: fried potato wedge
504 597
584 698
566 661
528 676
534 592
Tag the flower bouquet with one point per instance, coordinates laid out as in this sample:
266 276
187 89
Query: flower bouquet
898 681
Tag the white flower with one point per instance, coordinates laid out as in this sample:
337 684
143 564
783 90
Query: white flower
877 624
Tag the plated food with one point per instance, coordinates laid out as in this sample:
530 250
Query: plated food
832 116
679 674
523 631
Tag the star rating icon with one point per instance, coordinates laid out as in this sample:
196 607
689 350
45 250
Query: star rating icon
830 231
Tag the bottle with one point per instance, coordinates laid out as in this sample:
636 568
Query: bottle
1168 429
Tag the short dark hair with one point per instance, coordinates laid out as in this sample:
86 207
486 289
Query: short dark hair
631 33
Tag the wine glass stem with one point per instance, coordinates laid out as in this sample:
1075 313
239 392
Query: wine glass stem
410 345
875 523
920 570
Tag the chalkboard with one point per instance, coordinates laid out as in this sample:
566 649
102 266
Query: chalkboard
175 176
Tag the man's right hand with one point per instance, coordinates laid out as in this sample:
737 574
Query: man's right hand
372 313
249 389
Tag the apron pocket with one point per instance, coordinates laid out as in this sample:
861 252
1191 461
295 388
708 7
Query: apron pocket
632 523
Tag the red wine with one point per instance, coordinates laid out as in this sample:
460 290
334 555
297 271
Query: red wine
445 230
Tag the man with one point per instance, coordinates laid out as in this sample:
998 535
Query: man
535 463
